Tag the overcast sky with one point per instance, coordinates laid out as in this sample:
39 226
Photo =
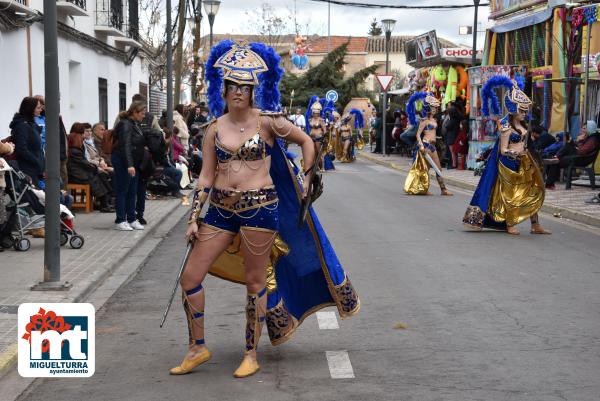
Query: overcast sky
233 17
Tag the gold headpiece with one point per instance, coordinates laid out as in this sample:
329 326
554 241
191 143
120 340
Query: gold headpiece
316 107
241 64
518 97
432 101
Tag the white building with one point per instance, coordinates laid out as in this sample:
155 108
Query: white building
99 64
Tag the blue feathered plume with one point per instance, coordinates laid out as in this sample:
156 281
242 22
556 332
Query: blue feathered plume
328 111
214 77
488 94
359 121
411 108
266 95
308 114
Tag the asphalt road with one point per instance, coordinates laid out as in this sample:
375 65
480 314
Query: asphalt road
488 316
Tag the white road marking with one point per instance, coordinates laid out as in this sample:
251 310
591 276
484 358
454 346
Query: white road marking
339 365
327 321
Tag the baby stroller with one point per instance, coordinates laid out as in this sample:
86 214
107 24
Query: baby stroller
26 212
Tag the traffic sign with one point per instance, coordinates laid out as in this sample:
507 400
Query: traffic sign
385 81
331 95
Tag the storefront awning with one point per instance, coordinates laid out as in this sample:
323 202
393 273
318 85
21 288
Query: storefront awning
531 19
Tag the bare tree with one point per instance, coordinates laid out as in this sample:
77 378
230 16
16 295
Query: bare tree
271 26
153 35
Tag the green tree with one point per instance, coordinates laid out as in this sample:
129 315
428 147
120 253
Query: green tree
375 29
329 74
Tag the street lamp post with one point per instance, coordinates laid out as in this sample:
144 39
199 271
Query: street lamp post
211 7
388 27
474 57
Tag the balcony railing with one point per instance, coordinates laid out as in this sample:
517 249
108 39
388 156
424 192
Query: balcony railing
109 13
79 3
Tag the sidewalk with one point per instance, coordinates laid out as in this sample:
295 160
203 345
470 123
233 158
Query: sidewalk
102 254
560 202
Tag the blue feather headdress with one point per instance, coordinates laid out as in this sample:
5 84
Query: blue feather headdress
314 99
359 121
328 111
411 108
514 100
267 73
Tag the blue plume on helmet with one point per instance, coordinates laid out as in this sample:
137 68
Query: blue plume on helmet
328 111
266 95
359 121
308 114
214 77
488 95
411 108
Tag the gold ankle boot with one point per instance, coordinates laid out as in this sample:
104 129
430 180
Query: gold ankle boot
256 307
190 363
195 320
249 365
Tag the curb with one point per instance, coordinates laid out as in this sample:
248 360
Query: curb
546 208
9 357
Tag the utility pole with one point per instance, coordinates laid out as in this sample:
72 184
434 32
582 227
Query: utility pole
169 67
179 50
52 206
474 57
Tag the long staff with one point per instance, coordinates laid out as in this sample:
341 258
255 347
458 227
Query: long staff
186 256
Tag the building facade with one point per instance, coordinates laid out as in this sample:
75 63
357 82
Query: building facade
100 62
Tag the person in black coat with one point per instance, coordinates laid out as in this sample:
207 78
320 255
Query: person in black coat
126 158
81 171
26 137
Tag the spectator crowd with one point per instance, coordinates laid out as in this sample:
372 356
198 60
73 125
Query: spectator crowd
136 159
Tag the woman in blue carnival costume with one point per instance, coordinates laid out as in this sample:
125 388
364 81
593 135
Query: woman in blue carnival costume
250 233
346 139
511 188
315 124
328 114
359 125
417 180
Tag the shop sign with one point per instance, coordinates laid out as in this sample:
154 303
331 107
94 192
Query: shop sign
460 52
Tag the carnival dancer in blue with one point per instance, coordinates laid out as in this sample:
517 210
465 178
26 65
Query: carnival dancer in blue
250 233
511 188
417 180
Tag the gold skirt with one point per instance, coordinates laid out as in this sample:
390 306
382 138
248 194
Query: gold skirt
417 180
517 195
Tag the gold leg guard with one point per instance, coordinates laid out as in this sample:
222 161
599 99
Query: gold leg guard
256 307
193 305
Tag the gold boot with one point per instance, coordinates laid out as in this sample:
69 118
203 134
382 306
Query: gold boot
195 321
256 307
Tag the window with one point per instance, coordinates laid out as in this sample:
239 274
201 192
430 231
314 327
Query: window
122 96
144 91
103 100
